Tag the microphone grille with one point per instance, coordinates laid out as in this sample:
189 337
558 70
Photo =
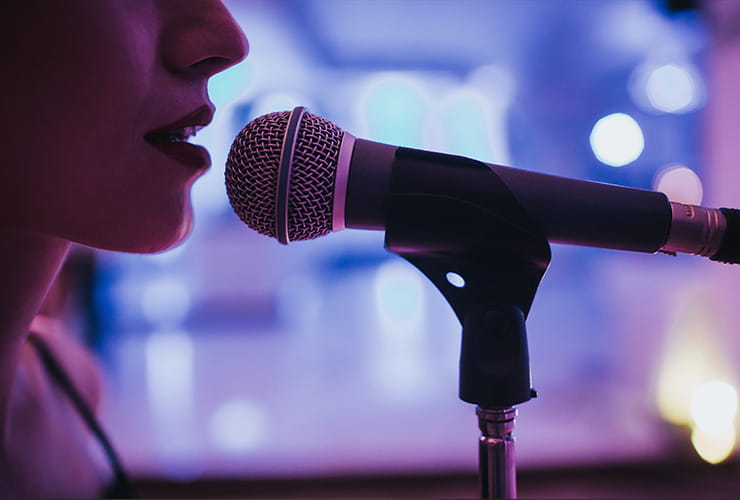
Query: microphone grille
252 181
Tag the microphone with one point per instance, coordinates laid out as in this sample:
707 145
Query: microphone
297 176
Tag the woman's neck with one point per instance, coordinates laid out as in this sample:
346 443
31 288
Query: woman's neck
29 262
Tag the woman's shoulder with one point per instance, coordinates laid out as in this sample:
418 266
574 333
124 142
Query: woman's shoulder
47 447
76 359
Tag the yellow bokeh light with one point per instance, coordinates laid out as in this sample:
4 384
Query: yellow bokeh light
714 406
713 447
693 385
693 355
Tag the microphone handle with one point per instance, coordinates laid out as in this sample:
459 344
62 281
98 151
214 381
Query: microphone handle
608 216
568 211
591 214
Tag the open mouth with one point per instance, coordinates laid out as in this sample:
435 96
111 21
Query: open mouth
178 135
174 143
172 139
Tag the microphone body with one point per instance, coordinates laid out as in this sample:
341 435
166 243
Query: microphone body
555 204
358 189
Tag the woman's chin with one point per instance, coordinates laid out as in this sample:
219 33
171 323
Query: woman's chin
163 241
179 238
140 239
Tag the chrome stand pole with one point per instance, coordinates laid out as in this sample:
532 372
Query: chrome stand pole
497 462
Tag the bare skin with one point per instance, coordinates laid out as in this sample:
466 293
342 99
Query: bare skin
92 86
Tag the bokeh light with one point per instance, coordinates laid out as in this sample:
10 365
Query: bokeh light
399 368
671 85
693 354
279 101
714 447
617 139
680 184
714 406
230 85
169 359
672 88
393 109
169 371
165 302
467 124
399 296
238 426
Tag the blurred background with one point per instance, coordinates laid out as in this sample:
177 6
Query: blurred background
239 367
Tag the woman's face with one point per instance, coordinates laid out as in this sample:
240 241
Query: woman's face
97 96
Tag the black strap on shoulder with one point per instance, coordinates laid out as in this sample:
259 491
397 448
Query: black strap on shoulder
121 487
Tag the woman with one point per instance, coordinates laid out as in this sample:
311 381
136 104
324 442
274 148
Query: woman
98 97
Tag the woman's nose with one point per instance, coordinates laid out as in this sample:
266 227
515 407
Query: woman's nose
201 38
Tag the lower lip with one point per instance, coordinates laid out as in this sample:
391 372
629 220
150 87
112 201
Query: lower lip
184 152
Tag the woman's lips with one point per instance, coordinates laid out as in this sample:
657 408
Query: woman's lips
184 152
172 139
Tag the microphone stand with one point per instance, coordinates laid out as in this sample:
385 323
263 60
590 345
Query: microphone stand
496 457
501 257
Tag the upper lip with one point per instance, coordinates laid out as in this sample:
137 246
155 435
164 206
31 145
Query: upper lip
188 124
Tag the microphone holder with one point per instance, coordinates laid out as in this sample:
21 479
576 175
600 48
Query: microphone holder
487 258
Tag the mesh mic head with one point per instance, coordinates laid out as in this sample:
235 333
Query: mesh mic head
281 172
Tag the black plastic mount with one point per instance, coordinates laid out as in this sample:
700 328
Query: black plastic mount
729 251
447 214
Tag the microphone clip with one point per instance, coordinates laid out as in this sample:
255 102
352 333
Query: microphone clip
486 265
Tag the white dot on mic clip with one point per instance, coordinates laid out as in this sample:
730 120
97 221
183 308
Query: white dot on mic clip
455 280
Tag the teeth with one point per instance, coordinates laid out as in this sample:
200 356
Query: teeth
182 134
189 131
178 135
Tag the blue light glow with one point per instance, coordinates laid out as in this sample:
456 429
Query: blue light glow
671 85
169 372
228 86
238 426
393 109
279 101
399 366
672 88
165 302
399 297
466 120
169 358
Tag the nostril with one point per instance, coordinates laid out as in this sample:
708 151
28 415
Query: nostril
203 43
212 65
